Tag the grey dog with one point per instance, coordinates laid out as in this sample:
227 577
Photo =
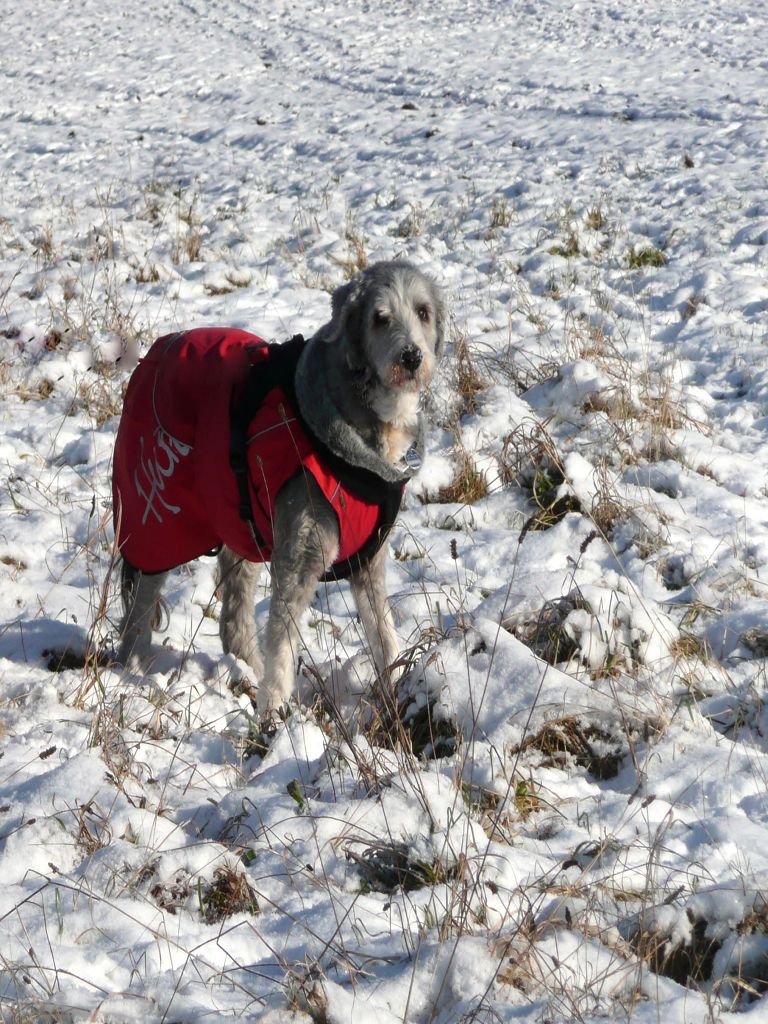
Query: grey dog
358 384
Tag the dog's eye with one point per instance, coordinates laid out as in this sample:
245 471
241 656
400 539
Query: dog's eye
380 319
423 313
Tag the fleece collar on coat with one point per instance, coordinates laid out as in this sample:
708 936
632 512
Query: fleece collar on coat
325 420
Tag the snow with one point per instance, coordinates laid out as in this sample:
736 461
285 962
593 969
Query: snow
585 644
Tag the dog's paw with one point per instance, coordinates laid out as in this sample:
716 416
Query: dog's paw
278 684
139 663
243 677
274 700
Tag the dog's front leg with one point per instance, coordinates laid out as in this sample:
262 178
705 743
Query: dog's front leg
370 592
237 627
306 542
141 614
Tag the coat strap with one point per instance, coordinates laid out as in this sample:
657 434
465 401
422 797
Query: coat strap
263 376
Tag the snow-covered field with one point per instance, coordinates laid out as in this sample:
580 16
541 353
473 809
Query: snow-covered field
564 814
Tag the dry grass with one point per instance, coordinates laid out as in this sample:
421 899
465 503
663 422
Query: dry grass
93 829
547 516
529 458
357 258
687 646
16 563
645 256
545 633
686 963
568 248
595 219
401 719
387 866
229 893
234 281
173 895
468 383
425 729
188 246
468 486
588 745
500 216
100 398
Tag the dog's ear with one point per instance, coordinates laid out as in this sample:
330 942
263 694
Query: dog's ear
346 311
440 317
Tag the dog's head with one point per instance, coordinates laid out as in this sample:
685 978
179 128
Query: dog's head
389 322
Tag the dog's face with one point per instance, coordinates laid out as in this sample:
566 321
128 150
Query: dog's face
389 321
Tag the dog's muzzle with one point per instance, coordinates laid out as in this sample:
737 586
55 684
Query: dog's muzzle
410 358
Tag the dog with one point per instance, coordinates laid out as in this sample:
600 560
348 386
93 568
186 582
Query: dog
296 454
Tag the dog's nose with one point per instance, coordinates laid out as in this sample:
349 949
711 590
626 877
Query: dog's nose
411 358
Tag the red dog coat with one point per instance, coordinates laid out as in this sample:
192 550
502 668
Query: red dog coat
181 487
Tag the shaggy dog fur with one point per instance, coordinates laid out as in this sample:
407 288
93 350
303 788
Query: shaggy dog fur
358 386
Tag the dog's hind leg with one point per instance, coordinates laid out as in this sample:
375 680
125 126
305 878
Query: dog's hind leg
141 613
237 626
370 593
306 542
